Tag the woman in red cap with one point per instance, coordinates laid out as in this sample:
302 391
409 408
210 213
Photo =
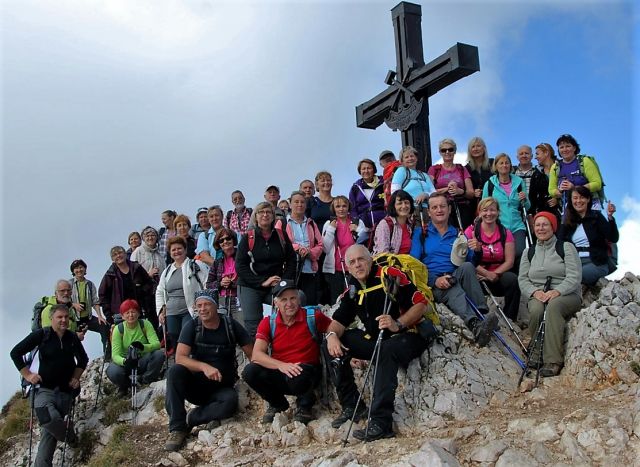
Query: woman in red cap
550 275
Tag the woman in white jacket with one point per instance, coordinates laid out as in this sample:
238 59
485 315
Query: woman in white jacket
147 254
178 284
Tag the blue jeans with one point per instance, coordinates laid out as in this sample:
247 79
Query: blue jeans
174 324
592 272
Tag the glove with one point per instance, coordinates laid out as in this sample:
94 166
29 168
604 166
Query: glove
137 345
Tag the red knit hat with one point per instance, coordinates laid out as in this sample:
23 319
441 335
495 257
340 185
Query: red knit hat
550 217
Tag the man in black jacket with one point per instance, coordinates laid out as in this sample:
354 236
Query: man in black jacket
57 382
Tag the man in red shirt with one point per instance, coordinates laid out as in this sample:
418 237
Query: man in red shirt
294 364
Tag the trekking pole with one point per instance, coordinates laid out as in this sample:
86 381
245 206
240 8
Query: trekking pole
455 205
526 224
134 393
67 428
32 403
104 358
374 356
496 333
504 317
298 268
344 267
537 343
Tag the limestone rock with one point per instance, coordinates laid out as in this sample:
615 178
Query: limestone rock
177 459
488 452
512 457
432 455
543 432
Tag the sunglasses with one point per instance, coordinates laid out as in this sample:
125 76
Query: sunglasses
225 239
445 150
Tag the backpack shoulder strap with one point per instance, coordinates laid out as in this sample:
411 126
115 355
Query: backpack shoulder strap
407 177
490 187
560 249
503 234
531 251
121 328
228 325
272 324
311 321
251 238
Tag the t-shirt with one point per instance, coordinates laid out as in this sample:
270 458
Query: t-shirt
213 346
405 242
456 174
571 172
492 251
580 240
318 210
294 344
418 182
176 303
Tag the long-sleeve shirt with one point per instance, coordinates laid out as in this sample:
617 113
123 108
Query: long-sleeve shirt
120 342
59 356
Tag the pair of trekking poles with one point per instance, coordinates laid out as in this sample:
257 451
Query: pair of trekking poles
69 423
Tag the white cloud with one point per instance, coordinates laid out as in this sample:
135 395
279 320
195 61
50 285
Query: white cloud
628 251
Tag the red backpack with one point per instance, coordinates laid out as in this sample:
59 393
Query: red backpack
387 176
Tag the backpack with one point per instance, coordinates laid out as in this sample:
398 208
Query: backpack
387 176
140 321
310 311
438 169
251 241
372 235
230 212
478 235
559 250
416 272
228 327
36 317
581 157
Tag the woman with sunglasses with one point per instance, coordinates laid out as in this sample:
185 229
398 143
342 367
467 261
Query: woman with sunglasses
454 181
265 256
222 275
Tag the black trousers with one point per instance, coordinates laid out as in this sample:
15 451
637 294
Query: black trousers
395 351
215 400
272 385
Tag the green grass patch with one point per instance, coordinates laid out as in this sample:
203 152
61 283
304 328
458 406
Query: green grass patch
158 404
635 366
113 408
87 441
119 451
15 414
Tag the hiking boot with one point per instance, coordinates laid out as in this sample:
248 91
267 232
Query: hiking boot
374 432
175 440
123 391
551 369
347 414
271 412
212 425
303 415
72 439
482 330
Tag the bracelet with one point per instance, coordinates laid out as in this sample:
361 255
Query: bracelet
329 334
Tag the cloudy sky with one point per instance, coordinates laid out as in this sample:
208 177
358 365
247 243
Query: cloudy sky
115 110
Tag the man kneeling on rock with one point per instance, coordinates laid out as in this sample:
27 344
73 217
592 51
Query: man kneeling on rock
205 371
403 328
294 365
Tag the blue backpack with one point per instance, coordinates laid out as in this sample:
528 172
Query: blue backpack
311 322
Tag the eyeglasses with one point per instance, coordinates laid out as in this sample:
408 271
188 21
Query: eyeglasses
64 290
265 212
445 150
225 239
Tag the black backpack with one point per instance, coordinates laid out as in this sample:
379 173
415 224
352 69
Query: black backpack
559 250
36 318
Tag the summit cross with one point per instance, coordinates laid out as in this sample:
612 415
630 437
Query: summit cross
404 105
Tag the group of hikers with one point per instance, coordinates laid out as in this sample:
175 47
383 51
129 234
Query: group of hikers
181 298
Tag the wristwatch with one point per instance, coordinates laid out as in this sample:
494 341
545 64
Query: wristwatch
401 327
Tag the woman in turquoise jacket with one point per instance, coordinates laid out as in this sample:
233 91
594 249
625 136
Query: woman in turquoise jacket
511 193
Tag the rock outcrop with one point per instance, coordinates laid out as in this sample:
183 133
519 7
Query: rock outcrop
456 405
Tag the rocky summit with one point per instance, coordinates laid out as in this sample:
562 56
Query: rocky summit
457 405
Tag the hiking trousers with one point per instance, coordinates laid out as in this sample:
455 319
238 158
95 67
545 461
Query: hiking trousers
592 272
507 286
559 311
215 401
251 301
395 351
454 297
51 406
272 385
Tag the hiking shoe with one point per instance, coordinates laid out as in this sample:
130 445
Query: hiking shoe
482 330
123 391
271 412
347 414
303 415
551 369
212 425
175 440
374 432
